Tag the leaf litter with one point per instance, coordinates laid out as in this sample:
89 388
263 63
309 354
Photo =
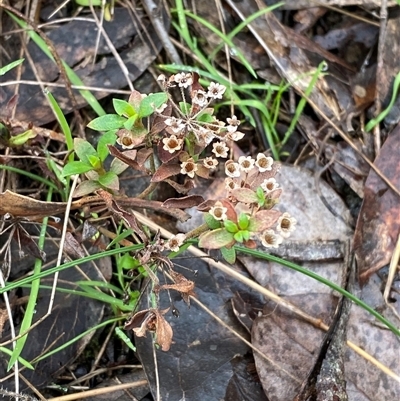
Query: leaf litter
290 342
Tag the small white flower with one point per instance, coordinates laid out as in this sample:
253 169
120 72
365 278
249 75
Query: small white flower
161 108
231 184
220 149
233 124
246 163
269 184
162 78
270 239
205 135
264 163
175 242
210 163
183 80
189 167
200 98
235 136
232 169
218 211
286 225
125 139
215 91
172 143
176 125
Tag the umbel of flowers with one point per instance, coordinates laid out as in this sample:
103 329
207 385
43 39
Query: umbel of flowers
182 132
189 140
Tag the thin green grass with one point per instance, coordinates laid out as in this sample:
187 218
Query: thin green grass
330 284
30 307
72 76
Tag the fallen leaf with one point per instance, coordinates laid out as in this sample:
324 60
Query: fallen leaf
378 224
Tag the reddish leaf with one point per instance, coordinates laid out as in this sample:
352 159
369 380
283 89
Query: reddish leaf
183 203
206 206
245 195
263 220
182 189
165 171
164 155
127 157
203 171
142 155
216 239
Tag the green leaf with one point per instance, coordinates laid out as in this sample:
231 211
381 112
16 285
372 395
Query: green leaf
109 138
86 187
205 118
127 261
130 122
239 236
152 102
216 239
21 139
123 108
212 222
260 196
229 254
94 161
125 338
118 166
243 221
10 66
107 122
110 180
75 168
20 359
231 226
84 149
185 107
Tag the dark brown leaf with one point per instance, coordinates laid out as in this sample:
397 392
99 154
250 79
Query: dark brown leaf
378 223
165 171
185 202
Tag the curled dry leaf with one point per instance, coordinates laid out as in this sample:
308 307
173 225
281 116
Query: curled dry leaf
154 321
185 202
182 285
165 171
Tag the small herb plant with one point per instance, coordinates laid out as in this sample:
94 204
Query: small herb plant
166 139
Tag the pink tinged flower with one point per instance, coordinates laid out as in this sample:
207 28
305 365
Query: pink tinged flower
200 98
269 184
176 125
172 144
233 123
125 139
270 239
183 80
210 163
175 242
218 211
264 163
220 149
205 135
286 225
189 167
235 136
231 184
232 169
215 91
246 163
